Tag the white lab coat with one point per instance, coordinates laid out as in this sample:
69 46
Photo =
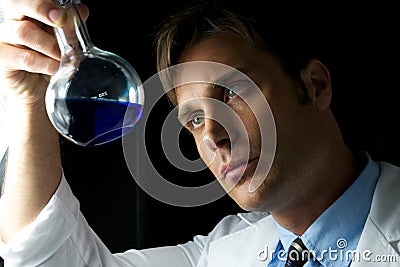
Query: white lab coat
60 237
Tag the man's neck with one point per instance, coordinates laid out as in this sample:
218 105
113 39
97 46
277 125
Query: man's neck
298 215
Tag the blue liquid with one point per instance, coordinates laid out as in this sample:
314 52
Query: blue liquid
91 122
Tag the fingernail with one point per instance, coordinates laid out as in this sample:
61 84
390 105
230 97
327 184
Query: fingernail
56 16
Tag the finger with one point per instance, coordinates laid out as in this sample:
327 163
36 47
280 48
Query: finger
46 11
83 11
19 58
31 35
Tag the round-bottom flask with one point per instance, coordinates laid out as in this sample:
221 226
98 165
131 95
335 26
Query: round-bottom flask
96 96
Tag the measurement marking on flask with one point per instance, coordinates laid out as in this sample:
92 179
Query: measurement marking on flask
103 94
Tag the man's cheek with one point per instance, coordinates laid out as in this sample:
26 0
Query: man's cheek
207 156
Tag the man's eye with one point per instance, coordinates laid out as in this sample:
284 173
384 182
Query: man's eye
230 93
235 88
197 121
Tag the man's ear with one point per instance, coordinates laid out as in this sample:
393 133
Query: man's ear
317 79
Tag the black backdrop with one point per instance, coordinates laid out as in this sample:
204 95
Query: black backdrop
364 68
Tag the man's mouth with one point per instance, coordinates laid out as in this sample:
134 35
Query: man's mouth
235 169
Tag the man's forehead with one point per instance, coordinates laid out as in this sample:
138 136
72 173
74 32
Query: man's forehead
204 73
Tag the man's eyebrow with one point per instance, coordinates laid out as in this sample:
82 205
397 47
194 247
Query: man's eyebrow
224 79
183 111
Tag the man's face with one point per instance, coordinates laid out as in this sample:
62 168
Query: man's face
225 122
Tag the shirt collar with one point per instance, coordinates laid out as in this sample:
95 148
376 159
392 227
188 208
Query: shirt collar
340 226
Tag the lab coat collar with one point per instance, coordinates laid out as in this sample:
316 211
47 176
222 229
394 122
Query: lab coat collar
252 218
255 244
380 240
385 209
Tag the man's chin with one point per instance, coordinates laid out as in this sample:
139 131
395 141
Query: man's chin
248 201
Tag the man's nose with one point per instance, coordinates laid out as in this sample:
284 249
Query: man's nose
223 128
216 135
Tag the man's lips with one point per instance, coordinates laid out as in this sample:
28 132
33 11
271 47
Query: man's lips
235 169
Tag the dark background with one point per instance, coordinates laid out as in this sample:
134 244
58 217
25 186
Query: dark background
364 62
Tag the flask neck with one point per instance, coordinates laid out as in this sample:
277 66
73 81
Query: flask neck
73 37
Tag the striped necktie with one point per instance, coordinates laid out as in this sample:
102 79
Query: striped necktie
298 254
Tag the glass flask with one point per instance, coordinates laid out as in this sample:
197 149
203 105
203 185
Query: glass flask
95 96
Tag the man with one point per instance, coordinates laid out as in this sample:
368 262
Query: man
304 193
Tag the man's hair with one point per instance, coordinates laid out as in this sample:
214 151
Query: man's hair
281 32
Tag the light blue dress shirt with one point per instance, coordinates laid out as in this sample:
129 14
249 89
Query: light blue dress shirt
334 236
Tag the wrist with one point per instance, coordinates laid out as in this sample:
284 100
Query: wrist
19 106
27 118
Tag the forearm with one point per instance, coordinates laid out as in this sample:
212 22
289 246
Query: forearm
33 168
